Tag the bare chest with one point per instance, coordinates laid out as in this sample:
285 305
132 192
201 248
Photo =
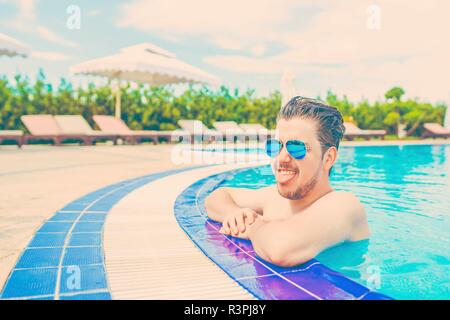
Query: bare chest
277 210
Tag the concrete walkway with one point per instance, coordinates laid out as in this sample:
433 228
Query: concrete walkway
38 180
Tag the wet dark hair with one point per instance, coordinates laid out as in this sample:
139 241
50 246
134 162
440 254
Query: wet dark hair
330 125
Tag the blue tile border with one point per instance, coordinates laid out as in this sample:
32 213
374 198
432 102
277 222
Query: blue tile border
85 239
32 282
93 278
65 258
55 227
311 280
88 296
83 256
42 240
39 258
83 226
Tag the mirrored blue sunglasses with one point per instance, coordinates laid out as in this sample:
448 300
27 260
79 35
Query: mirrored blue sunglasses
296 148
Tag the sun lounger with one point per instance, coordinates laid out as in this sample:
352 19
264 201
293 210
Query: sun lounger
45 127
198 131
77 125
352 131
256 131
113 125
230 130
435 130
12 135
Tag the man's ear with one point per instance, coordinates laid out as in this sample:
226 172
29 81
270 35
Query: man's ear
330 157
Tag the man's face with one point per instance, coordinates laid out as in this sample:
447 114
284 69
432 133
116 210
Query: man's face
296 178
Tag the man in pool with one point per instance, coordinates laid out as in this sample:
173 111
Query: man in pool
301 215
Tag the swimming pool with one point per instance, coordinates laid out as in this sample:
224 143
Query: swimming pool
406 192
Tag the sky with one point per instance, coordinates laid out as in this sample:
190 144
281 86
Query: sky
355 47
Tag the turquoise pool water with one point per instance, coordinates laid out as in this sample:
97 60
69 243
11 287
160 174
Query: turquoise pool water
406 191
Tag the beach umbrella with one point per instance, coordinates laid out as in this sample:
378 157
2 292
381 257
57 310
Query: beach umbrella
11 47
287 87
143 63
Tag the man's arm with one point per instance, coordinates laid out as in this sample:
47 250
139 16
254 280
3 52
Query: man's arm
224 201
295 240
235 208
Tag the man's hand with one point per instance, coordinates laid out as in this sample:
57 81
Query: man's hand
237 223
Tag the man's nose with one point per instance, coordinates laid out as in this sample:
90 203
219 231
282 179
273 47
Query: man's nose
284 156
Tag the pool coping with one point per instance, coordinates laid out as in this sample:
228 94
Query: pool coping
158 260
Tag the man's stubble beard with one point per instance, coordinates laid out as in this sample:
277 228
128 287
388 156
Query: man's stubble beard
302 192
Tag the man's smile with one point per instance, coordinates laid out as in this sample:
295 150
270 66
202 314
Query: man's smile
285 175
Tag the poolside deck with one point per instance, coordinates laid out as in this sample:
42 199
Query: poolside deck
38 180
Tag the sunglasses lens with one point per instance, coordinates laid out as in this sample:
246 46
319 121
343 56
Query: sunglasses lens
296 148
273 147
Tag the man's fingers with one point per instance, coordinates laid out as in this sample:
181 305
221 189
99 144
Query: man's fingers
240 223
236 224
250 216
234 227
226 227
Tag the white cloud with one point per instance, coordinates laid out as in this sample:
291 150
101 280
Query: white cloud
25 14
93 13
50 56
26 21
231 25
49 35
343 54
231 44
258 50
26 9
227 43
248 17
245 64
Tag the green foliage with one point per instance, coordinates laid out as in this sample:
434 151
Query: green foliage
159 108
395 93
388 114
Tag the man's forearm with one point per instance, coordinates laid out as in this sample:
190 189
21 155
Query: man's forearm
219 204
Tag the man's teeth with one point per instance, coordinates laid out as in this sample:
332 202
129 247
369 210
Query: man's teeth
286 172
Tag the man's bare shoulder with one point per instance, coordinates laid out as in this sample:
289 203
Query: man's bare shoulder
356 214
353 208
345 201
343 195
344 209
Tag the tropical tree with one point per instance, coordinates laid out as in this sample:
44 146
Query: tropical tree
395 93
